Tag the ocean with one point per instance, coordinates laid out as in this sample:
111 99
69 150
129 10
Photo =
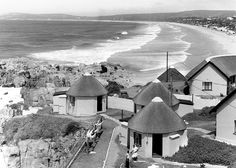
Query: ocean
69 41
139 47
92 42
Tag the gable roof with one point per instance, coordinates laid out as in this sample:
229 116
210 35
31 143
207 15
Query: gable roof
222 102
172 72
87 86
224 63
60 91
156 118
154 89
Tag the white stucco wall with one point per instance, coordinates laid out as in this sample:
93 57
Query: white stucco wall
146 149
120 103
199 103
184 109
104 104
123 133
171 146
209 74
225 127
85 106
59 104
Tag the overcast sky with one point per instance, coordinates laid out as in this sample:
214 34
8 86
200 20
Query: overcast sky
107 7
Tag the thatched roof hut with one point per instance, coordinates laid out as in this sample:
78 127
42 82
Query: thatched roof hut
87 86
157 118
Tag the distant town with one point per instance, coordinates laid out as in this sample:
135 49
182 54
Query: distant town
224 24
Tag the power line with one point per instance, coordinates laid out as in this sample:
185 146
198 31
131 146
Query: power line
212 96
211 82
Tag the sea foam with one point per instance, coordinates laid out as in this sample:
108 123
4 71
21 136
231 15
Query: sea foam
179 55
104 50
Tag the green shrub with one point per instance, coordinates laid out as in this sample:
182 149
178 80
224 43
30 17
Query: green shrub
46 110
71 128
206 112
113 88
201 115
38 126
202 150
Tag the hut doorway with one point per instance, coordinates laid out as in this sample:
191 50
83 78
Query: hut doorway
157 144
99 103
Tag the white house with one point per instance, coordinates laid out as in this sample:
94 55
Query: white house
59 102
85 97
226 119
157 130
213 76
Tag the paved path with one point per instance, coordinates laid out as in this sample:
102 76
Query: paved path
96 160
200 129
113 151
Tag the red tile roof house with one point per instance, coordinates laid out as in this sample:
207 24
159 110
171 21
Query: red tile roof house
213 76
85 97
226 119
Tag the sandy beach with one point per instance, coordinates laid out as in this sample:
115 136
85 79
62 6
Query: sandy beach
203 42
213 43
139 47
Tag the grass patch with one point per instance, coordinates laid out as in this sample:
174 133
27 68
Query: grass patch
191 133
207 125
202 150
201 115
38 126
202 119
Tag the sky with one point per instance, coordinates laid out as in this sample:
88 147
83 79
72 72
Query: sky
109 7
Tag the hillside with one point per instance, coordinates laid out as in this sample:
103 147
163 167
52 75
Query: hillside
170 16
26 16
138 17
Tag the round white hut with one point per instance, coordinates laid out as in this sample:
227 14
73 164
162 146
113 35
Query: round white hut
86 97
157 129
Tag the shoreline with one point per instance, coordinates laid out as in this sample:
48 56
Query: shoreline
213 43
204 42
119 43
221 43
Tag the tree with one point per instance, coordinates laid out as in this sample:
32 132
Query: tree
113 87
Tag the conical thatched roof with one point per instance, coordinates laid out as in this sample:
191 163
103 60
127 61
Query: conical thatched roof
156 118
155 89
87 86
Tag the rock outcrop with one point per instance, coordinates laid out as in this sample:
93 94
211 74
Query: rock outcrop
41 153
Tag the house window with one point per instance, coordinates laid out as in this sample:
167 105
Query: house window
137 139
206 86
232 79
72 101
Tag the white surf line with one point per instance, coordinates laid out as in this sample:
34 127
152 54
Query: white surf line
109 146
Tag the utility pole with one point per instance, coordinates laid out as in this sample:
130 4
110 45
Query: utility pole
167 73
171 87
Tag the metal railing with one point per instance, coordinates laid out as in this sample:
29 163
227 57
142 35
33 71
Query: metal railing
75 151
